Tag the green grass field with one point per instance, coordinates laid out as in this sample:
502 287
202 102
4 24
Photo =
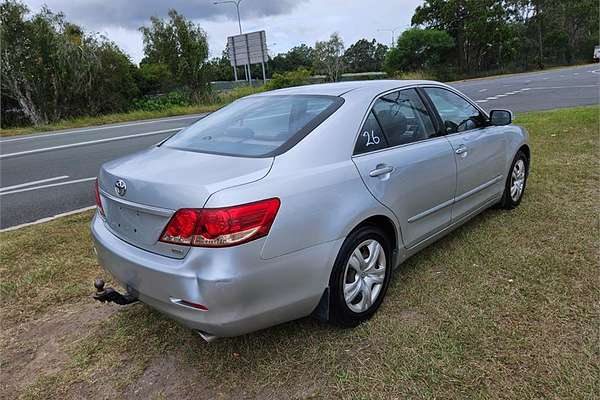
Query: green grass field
505 307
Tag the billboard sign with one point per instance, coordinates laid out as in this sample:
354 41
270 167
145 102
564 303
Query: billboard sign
248 48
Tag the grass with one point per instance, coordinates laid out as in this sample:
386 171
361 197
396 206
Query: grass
504 307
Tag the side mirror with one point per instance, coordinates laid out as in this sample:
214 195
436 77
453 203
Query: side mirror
501 117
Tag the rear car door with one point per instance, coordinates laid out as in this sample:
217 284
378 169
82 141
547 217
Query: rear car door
479 150
405 166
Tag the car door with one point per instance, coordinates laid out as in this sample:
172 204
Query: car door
479 150
405 166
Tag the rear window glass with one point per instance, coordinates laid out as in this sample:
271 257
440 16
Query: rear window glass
256 126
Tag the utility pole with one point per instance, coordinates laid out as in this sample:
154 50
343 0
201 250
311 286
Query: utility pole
237 7
393 31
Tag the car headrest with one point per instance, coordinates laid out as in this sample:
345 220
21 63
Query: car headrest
394 122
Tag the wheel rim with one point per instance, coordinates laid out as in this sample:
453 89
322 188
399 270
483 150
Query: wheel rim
364 275
517 180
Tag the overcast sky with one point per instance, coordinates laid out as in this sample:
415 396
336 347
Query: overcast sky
287 22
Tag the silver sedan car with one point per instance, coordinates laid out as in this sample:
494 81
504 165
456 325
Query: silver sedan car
300 201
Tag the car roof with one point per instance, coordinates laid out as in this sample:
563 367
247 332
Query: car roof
340 88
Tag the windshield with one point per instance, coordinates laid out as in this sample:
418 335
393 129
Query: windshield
256 126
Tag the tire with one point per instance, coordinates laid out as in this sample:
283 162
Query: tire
345 273
519 170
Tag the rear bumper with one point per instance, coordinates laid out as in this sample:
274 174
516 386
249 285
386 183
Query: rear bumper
242 292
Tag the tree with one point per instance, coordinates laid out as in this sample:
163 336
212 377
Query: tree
494 33
183 47
220 68
154 78
420 49
328 57
365 56
52 69
297 57
555 30
477 26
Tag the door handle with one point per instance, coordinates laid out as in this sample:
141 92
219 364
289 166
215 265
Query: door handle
381 169
461 150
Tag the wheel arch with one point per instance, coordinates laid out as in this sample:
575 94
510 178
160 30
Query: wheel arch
525 149
386 224
392 232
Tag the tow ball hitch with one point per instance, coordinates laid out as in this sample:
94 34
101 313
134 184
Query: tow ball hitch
108 295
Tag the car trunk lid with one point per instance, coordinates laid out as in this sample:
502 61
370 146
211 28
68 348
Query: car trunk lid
142 191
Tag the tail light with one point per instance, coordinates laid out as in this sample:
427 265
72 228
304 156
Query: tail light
98 199
221 227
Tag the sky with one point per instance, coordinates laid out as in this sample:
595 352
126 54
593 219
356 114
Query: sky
287 22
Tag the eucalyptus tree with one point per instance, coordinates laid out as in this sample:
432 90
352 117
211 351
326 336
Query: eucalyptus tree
328 57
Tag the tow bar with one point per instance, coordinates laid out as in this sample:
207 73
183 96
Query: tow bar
110 295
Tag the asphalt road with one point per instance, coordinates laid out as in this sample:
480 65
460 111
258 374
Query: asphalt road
48 174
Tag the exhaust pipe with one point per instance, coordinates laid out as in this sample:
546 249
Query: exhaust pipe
207 336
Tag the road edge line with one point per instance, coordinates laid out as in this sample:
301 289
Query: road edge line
47 219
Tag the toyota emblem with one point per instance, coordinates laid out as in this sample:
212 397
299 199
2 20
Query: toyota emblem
120 187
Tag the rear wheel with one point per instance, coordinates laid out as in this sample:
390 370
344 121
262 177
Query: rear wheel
515 183
360 276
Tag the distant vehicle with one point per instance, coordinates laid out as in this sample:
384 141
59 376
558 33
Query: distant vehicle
597 54
300 201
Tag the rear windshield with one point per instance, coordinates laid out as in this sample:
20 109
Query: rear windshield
256 126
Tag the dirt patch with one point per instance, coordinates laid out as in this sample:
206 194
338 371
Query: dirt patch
39 347
167 377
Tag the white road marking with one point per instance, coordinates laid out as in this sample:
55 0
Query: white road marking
482 90
48 186
596 71
33 183
40 221
78 144
99 128
480 101
562 87
501 95
492 98
510 93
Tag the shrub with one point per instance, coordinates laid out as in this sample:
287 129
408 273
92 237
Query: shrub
159 103
154 78
292 78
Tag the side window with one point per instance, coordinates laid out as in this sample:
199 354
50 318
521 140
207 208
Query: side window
371 137
403 117
457 114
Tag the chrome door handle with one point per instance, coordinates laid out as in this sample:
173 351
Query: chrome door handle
461 150
381 169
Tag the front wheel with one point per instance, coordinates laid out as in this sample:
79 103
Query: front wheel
515 183
360 276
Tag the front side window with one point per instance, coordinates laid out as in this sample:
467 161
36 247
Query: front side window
458 115
256 126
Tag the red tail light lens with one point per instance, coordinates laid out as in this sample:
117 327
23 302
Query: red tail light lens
221 227
98 199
